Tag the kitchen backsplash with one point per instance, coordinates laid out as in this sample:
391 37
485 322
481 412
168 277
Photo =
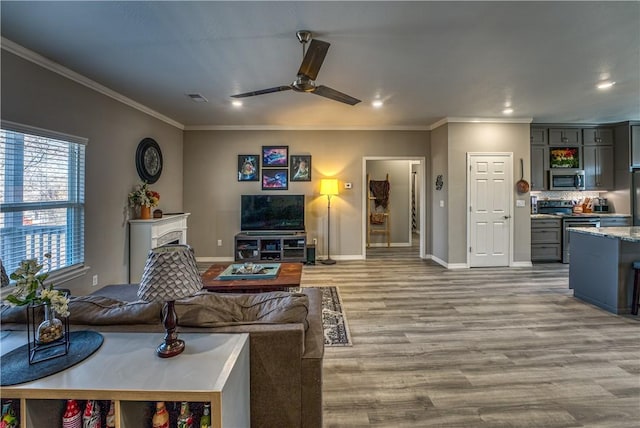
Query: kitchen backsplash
570 196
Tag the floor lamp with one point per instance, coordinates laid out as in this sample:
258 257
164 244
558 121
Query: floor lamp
329 187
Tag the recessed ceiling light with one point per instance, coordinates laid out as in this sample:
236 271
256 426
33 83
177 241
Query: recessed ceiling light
377 103
605 84
507 111
236 103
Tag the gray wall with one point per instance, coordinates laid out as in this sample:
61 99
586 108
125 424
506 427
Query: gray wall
440 214
34 96
212 193
484 137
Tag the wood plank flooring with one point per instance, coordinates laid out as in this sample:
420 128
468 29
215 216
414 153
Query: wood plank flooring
474 348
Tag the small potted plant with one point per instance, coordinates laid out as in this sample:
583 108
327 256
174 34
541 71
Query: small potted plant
144 199
31 290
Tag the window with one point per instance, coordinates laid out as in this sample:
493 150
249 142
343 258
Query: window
41 197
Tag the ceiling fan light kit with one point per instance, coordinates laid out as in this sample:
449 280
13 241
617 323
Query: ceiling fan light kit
312 59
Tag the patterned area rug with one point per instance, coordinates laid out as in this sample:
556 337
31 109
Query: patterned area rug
336 329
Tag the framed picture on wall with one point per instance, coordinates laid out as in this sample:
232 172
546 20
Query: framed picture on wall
248 168
300 169
564 157
275 179
275 156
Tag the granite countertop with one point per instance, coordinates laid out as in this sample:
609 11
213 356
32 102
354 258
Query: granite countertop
631 234
534 216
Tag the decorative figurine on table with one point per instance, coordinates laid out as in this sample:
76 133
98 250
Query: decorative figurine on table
91 417
205 420
185 420
111 416
72 417
161 417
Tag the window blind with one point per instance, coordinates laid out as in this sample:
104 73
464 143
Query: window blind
41 197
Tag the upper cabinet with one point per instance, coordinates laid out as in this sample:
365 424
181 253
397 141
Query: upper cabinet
539 167
565 136
597 136
635 146
598 167
539 136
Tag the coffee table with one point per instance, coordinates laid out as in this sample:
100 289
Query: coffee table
288 276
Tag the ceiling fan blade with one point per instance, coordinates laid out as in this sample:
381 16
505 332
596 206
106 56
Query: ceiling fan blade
262 91
332 94
313 59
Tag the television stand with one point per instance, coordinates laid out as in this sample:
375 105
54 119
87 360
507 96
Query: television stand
264 247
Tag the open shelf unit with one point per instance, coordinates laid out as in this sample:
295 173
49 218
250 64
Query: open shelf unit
266 247
214 368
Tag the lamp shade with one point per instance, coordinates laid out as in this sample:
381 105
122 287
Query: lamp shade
170 273
329 186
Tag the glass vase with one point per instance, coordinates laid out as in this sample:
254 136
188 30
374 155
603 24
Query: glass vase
51 329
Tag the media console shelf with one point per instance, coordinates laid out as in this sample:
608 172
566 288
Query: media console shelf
214 369
271 247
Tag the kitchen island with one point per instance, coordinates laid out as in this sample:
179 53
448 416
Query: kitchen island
600 268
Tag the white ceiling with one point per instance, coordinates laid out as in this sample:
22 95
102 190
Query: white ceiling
426 60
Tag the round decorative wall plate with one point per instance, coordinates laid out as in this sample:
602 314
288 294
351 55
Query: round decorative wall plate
149 160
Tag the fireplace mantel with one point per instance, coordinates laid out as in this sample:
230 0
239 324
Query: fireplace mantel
147 234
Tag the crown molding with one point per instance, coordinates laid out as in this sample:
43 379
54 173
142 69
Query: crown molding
446 120
40 60
302 128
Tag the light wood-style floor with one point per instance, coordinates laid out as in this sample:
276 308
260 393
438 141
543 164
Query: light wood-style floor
474 348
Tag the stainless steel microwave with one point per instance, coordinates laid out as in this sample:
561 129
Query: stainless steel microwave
566 179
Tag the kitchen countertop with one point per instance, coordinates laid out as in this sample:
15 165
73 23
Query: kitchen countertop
630 234
534 216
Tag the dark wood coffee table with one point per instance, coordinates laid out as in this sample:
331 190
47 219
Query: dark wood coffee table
288 276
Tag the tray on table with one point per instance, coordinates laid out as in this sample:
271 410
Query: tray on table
259 271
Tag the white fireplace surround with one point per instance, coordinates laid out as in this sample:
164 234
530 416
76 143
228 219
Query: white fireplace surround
147 234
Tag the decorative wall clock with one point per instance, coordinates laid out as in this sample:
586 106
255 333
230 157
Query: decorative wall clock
149 160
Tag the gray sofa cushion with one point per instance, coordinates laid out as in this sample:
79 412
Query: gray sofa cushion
97 310
216 310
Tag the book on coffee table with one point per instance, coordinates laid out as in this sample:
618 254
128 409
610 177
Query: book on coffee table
250 271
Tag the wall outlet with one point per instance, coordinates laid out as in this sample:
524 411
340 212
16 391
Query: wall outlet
95 280
219 242
441 204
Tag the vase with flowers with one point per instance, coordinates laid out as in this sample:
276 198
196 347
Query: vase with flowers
144 199
31 290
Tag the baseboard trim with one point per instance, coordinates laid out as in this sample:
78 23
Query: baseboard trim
522 264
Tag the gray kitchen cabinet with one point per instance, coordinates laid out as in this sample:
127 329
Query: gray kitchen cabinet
597 136
635 146
546 239
598 167
539 136
565 136
607 221
539 167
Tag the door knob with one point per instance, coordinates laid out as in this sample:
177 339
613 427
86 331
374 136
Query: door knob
506 217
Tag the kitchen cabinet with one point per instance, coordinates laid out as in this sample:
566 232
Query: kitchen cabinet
539 167
213 369
607 221
565 136
598 167
635 146
597 136
539 136
546 239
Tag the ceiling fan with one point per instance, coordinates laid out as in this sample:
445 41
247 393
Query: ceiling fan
312 59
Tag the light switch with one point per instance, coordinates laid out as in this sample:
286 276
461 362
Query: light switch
441 204
520 203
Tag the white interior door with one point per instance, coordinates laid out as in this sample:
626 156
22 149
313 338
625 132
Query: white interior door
489 224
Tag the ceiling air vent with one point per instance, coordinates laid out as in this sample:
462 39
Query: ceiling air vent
198 98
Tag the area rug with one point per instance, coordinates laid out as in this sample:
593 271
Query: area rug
334 320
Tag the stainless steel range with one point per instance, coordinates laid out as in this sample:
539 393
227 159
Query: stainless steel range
570 219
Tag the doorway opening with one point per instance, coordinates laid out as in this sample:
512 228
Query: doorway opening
406 207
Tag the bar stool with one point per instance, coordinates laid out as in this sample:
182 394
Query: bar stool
636 288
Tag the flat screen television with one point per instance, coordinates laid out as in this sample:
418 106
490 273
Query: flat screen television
277 213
